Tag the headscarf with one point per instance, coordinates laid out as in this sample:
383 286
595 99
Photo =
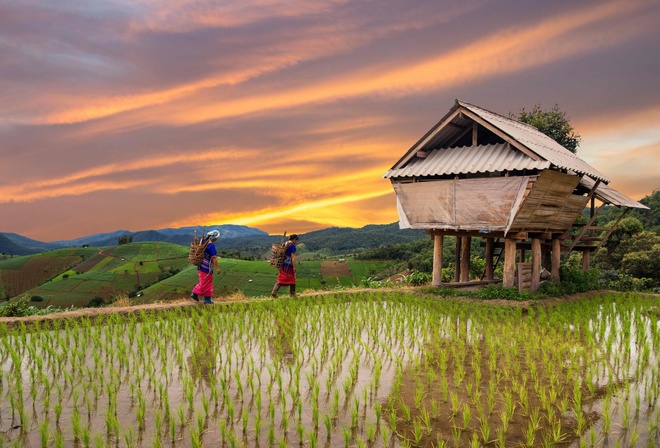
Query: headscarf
213 235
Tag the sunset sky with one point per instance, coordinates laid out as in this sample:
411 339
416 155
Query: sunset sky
284 115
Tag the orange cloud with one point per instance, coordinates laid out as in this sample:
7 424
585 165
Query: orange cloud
335 211
70 190
73 184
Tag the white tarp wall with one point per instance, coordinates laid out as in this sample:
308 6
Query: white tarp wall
461 204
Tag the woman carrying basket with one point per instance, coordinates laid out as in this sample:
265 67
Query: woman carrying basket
287 274
205 270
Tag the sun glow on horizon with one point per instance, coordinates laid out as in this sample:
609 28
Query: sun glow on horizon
314 211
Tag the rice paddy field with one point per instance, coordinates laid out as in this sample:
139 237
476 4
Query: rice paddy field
365 369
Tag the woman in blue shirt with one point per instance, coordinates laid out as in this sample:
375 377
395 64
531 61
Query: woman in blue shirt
287 274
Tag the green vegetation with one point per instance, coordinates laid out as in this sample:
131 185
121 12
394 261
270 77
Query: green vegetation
151 272
554 123
359 369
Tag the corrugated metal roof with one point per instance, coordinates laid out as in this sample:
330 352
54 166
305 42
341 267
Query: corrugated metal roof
536 141
610 195
473 159
463 114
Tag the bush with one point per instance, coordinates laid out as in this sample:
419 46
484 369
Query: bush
96 302
575 280
16 308
36 299
626 282
417 278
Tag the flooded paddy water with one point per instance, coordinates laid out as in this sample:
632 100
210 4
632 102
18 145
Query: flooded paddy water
368 369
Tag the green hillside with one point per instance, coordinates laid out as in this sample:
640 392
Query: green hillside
150 272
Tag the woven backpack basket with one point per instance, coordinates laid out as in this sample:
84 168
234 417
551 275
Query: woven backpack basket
197 248
278 253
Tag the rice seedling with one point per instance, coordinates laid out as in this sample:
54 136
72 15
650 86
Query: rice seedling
466 416
484 428
420 359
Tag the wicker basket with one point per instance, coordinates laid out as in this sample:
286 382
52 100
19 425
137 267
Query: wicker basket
197 248
278 253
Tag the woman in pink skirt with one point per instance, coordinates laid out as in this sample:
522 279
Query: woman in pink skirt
287 274
205 270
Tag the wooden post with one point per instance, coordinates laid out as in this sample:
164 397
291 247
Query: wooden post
490 248
523 255
465 259
556 258
457 260
585 259
546 257
438 241
536 264
509 262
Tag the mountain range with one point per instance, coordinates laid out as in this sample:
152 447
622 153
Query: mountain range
233 238
15 244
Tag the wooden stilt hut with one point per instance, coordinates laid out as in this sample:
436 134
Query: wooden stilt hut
477 174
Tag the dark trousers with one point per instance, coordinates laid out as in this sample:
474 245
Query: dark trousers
292 289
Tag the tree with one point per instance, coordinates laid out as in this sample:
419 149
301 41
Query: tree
650 218
554 123
643 264
627 227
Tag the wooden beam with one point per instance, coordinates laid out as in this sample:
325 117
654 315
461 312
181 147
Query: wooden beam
611 229
509 262
438 241
536 264
556 258
426 138
465 259
463 133
475 134
576 240
506 137
490 253
473 233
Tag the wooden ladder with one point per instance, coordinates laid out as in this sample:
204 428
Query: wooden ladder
497 254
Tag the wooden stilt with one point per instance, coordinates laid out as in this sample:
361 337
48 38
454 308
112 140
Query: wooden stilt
536 264
586 255
457 260
546 257
438 241
490 249
556 258
465 259
509 262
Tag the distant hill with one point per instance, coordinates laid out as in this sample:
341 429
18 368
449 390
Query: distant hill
249 242
9 246
15 244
